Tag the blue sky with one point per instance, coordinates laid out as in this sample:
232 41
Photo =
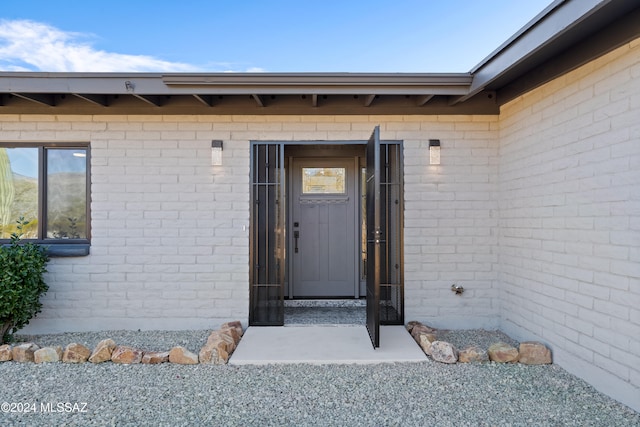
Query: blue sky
254 35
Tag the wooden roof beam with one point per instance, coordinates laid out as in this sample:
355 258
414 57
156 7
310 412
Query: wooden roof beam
369 100
258 100
101 100
422 100
205 99
489 94
154 100
43 99
453 100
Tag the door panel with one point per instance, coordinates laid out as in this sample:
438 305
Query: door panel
374 237
391 272
323 231
267 248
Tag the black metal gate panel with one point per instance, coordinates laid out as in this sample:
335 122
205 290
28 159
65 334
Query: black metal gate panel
390 261
384 208
267 242
374 236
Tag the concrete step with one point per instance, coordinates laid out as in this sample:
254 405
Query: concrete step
263 345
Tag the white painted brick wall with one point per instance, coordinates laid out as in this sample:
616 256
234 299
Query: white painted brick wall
170 233
569 190
451 215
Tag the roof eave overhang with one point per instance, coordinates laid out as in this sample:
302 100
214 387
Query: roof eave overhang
282 93
564 36
235 84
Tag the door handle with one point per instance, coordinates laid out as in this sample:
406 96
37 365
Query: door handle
296 236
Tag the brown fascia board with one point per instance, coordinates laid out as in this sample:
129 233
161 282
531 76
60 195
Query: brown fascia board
553 32
320 82
79 83
234 84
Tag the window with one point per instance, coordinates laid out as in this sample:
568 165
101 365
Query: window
48 186
323 180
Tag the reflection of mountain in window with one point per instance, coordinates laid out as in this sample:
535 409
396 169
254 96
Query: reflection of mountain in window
66 195
18 191
26 173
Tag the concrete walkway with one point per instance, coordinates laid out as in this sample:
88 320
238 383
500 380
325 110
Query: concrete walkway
324 344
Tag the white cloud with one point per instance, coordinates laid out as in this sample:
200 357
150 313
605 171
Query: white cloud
33 46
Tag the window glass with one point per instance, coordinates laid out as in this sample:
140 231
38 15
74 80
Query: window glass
18 191
66 193
323 180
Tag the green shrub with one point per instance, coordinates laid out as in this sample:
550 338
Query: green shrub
22 266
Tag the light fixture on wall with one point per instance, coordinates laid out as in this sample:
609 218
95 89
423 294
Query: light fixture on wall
216 152
434 151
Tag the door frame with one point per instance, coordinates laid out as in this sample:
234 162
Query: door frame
276 306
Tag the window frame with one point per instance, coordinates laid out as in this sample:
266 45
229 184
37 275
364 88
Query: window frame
57 247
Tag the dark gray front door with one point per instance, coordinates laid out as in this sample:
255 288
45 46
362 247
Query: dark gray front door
324 251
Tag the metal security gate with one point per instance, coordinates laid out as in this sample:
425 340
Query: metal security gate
391 226
385 290
267 247
374 237
384 228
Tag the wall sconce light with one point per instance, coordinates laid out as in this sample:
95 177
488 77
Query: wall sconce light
434 151
216 152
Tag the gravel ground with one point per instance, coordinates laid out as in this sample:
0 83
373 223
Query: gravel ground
403 394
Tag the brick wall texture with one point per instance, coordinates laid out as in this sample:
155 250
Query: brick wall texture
569 228
535 212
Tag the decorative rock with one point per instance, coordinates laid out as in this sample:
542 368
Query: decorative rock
155 357
233 333
473 354
534 353
424 341
503 353
103 351
420 329
5 353
182 356
48 354
235 324
216 336
409 326
126 355
24 352
75 353
444 352
214 353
